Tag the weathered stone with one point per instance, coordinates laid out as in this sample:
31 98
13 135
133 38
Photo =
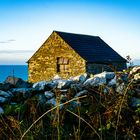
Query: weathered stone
40 85
50 85
41 99
95 81
64 91
6 86
74 104
80 78
52 102
18 82
22 93
99 79
106 75
49 94
57 77
112 82
62 84
3 99
106 90
44 85
81 93
76 87
5 94
1 111
109 75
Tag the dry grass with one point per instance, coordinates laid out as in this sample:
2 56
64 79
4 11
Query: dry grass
100 117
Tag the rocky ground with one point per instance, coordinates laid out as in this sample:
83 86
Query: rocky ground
109 101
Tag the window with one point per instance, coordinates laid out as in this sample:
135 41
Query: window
62 64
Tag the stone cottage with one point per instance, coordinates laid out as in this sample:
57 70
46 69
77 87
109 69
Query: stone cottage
68 54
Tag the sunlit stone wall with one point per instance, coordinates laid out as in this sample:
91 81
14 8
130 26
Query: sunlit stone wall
43 64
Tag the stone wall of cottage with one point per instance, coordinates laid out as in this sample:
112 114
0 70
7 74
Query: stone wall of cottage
43 64
120 66
98 68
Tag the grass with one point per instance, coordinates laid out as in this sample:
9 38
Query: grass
120 107
100 117
56 107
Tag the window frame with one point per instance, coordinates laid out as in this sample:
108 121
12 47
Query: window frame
62 64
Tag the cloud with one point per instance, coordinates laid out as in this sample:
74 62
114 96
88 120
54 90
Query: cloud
11 40
15 56
15 51
7 41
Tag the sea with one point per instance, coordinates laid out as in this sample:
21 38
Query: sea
20 71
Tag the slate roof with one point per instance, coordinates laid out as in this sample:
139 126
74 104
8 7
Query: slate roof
91 48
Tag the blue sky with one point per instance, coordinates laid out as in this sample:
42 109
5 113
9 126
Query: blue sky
26 24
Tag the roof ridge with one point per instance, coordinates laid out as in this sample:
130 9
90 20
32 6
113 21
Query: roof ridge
80 34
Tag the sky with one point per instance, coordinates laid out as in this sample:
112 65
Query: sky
26 24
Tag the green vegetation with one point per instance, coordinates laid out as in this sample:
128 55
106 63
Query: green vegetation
99 116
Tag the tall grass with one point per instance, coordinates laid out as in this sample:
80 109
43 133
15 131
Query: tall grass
120 107
56 107
100 117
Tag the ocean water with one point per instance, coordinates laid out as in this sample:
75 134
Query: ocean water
20 71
